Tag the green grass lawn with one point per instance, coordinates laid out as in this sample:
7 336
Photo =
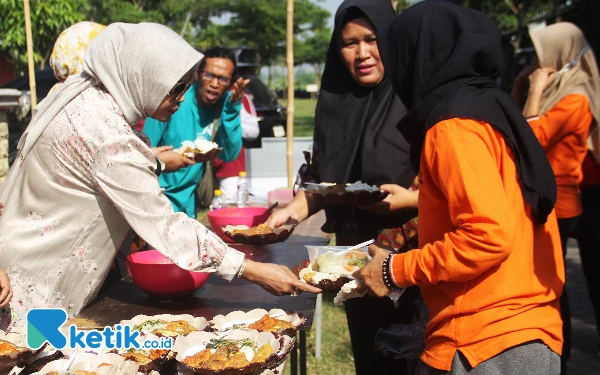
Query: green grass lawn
336 353
304 116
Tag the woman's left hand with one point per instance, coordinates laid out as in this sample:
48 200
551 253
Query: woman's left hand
5 289
540 79
237 89
371 275
398 199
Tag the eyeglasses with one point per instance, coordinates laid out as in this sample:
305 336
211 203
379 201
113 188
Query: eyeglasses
208 76
180 88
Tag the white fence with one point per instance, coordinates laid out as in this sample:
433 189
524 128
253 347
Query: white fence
267 166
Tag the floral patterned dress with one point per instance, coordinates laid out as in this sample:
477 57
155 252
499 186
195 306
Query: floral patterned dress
86 181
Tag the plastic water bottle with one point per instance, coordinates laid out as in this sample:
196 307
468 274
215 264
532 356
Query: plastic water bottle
242 195
218 201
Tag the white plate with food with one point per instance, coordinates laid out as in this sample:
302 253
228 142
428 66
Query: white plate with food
258 235
275 321
148 359
199 150
330 267
237 352
354 194
166 325
14 351
90 364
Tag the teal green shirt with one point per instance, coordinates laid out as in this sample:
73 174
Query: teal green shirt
188 123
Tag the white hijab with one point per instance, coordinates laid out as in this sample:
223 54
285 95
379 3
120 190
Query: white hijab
557 45
138 64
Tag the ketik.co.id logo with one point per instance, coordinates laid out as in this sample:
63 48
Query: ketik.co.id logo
44 325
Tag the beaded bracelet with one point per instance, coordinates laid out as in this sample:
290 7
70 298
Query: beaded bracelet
242 268
387 278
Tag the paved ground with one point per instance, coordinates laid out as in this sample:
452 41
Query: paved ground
585 339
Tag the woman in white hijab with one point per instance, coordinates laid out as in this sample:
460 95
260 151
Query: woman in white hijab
563 109
82 179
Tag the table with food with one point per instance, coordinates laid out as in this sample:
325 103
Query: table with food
217 327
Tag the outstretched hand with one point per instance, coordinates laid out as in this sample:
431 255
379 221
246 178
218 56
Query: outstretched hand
281 217
237 89
276 279
398 199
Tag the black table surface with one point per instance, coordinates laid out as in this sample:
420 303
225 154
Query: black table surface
124 300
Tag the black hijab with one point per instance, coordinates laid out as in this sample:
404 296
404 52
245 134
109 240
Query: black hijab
355 135
443 60
355 127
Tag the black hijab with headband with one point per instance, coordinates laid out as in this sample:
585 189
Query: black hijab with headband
443 60
355 135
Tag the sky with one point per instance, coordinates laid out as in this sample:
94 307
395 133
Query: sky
331 6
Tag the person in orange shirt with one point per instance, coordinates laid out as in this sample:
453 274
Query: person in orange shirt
563 101
489 262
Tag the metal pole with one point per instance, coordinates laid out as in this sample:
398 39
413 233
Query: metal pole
30 62
512 7
318 315
302 352
187 20
294 357
290 99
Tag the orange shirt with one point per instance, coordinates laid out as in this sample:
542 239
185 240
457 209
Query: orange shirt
490 276
563 132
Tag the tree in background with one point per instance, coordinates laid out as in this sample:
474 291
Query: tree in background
48 19
311 45
510 14
312 50
401 5
187 16
109 11
514 14
261 24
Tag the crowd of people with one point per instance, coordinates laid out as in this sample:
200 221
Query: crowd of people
484 187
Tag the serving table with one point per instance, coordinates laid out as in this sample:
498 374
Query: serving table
124 300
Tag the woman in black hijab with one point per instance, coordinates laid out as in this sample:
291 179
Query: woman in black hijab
489 262
355 139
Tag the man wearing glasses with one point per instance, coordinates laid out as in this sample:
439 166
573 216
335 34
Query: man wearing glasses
212 96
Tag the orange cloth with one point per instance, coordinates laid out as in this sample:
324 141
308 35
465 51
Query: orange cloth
563 132
490 276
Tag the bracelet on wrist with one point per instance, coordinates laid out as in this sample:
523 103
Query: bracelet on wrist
160 166
386 273
241 271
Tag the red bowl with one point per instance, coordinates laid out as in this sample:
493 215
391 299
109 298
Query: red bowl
157 276
250 216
